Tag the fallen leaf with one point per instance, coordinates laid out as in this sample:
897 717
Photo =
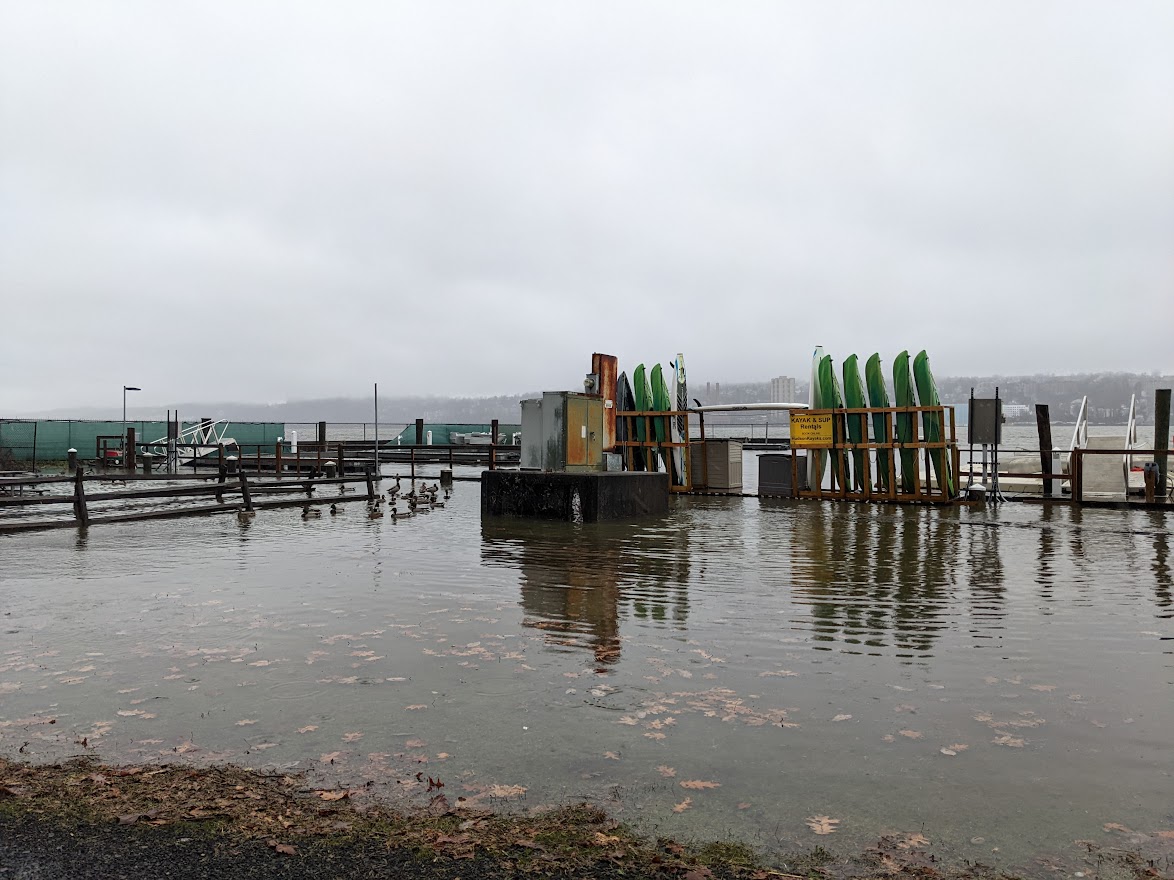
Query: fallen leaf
611 756
1013 742
286 849
307 728
352 737
1043 688
666 772
842 718
911 734
415 744
506 791
683 805
949 752
822 824
699 784
416 707
329 757
1117 826
656 735
912 840
337 794
244 722
745 805
958 747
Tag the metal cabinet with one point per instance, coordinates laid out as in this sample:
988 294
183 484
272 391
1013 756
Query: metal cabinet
563 431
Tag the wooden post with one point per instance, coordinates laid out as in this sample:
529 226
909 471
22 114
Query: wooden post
220 456
1075 468
277 459
1043 425
129 457
450 454
321 434
370 486
1162 438
258 461
79 500
413 464
419 432
298 461
493 444
245 496
341 464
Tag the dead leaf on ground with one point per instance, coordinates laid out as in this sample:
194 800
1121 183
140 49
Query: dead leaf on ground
912 840
1013 742
415 744
842 718
745 805
506 791
683 805
355 736
1117 826
822 824
244 722
666 772
308 728
337 794
286 849
416 707
911 734
699 784
611 756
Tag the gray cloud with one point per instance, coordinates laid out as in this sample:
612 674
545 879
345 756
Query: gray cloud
272 201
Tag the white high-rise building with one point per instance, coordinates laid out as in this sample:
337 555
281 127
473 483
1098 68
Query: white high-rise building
782 389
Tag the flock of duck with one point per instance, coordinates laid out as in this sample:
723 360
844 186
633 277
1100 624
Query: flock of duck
417 500
425 498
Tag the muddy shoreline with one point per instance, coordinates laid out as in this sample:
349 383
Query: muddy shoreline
84 819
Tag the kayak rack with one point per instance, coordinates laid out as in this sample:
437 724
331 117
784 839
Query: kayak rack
634 450
890 470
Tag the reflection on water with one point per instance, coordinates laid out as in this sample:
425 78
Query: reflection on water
576 581
999 674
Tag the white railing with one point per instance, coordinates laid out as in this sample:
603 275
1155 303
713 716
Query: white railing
1130 440
1080 432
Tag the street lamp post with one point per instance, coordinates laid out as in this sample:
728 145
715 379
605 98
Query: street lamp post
125 388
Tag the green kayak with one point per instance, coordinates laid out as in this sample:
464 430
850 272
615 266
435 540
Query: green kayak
857 425
903 425
661 402
831 397
927 393
643 394
878 397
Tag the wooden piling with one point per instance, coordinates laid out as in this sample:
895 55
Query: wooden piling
419 432
79 500
1162 438
321 434
341 462
245 494
1043 424
128 458
222 477
370 486
277 459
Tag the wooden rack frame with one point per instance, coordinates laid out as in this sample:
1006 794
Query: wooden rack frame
650 416
924 491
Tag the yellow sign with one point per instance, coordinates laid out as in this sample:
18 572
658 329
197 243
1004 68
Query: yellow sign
810 430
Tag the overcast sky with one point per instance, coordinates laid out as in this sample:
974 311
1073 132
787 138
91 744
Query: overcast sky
265 202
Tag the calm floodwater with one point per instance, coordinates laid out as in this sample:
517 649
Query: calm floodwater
812 659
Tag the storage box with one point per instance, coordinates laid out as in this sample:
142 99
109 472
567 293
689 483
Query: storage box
774 474
722 459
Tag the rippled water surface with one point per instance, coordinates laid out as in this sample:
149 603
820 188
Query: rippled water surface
1000 682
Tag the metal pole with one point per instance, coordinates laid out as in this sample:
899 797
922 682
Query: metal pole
376 430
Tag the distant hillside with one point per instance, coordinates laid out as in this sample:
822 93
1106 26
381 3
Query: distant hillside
1108 395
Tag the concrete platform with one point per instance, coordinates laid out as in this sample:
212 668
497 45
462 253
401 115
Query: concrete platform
573 497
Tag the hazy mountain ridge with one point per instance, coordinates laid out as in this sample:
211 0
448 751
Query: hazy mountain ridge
1108 395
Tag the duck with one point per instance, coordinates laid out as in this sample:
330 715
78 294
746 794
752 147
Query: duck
311 513
334 511
375 513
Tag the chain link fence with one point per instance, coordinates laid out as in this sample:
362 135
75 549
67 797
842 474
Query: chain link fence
18 444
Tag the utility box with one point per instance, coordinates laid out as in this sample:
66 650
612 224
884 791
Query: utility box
563 431
722 459
775 473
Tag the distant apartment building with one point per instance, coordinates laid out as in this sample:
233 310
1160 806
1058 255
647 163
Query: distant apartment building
782 389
